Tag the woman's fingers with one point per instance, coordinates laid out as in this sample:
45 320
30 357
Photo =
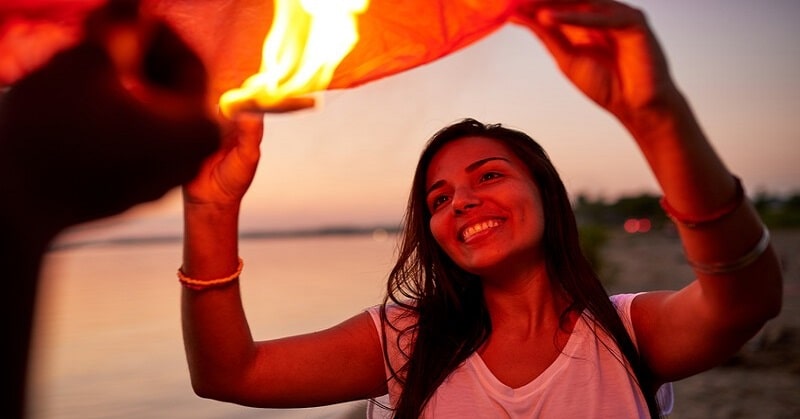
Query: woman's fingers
226 176
539 21
249 131
597 14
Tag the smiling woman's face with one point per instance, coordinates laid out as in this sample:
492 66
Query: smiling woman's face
486 210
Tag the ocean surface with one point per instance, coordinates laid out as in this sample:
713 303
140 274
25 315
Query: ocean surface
108 342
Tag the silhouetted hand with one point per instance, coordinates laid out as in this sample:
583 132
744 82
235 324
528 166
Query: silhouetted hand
117 120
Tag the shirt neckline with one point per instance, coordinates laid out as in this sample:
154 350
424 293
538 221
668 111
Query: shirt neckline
492 384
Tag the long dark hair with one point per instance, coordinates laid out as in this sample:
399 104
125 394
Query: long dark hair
452 320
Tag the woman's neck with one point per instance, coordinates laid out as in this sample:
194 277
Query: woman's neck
525 303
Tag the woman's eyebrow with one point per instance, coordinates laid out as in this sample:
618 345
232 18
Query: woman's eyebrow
474 166
436 185
471 168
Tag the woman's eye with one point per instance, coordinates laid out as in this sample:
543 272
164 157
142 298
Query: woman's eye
439 201
489 176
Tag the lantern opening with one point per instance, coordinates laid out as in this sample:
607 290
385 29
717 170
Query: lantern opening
306 42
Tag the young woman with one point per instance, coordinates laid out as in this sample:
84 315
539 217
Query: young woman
491 309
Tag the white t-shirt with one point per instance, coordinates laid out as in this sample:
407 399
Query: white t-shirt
586 381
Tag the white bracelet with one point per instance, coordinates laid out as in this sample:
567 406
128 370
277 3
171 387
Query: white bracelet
720 268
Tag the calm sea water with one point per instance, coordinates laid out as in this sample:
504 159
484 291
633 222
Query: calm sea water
108 341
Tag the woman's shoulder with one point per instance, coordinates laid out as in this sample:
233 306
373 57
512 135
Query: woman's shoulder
625 299
394 324
398 316
622 302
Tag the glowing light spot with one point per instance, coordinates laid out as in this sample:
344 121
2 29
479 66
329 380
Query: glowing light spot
637 225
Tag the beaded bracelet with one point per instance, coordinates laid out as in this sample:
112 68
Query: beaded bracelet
720 268
693 221
202 284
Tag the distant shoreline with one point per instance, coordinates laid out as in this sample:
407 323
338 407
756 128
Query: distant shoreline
130 240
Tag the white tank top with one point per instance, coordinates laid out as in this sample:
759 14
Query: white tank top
586 381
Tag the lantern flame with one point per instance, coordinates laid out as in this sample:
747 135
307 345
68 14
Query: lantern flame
306 42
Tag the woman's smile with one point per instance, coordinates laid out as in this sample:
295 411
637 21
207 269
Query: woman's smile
474 231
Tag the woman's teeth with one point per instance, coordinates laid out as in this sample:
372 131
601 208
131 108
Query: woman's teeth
477 228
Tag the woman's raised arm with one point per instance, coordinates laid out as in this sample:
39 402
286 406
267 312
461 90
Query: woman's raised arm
609 52
335 365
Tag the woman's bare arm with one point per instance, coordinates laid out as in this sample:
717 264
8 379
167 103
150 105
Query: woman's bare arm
339 364
609 52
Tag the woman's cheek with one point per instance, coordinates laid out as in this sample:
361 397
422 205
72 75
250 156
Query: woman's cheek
438 230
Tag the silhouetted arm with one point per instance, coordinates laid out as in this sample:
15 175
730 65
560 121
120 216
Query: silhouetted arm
89 134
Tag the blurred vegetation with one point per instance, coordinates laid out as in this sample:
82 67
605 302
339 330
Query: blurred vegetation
598 219
778 212
593 237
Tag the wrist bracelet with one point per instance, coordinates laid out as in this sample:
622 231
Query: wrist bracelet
202 284
693 221
720 268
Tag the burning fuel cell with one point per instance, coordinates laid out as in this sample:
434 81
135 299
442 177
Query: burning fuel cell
306 42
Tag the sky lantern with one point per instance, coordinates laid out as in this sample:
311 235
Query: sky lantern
253 49
313 45
274 55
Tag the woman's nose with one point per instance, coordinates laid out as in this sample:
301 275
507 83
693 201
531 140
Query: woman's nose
464 199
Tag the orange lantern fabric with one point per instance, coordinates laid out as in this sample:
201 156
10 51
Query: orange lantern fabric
395 35
400 35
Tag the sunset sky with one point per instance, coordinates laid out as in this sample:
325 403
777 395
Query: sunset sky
350 161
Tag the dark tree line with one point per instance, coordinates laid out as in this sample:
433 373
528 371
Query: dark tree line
598 218
776 211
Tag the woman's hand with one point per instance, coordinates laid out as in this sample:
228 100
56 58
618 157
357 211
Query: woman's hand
224 177
607 50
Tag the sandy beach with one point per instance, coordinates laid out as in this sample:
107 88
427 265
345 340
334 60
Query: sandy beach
763 380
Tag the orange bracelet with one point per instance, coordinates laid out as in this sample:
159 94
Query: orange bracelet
202 284
693 221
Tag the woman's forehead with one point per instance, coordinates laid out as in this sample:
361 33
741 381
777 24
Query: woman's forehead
461 153
466 150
